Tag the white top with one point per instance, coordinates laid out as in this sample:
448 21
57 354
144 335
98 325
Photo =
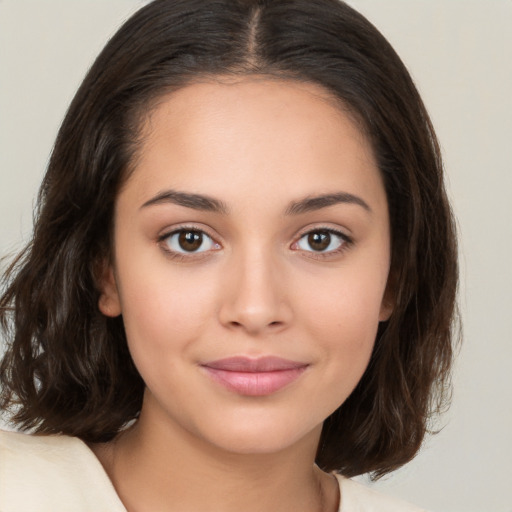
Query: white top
61 474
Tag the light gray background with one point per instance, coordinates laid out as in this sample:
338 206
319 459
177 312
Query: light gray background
460 54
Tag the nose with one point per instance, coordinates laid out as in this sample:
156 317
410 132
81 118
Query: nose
254 295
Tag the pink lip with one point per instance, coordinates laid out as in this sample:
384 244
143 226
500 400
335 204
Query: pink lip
254 377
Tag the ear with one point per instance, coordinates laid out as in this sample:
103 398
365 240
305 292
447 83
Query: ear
386 309
388 300
108 303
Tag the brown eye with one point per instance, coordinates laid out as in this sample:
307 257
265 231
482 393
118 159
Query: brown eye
319 241
189 241
322 240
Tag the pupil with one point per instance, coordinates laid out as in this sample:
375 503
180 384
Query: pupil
190 240
319 241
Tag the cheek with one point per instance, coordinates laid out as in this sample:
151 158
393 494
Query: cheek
163 310
348 305
343 319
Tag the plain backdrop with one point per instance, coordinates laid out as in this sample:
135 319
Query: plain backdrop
460 55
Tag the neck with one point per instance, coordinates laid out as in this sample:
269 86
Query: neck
154 467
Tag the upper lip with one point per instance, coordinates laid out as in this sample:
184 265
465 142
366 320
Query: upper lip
254 365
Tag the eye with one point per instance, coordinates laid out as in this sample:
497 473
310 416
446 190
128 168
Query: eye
322 240
188 241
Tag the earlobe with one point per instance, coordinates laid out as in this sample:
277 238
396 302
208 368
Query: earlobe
386 309
109 303
388 300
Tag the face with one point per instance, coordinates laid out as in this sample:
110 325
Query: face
251 255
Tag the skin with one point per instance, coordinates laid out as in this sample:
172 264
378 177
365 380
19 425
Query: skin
255 288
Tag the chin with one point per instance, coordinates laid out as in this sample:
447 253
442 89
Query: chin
257 438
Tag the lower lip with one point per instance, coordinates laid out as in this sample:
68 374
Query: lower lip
255 383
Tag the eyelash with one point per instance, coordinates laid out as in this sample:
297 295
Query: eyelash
345 243
184 256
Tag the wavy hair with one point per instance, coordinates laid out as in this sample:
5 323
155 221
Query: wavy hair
67 368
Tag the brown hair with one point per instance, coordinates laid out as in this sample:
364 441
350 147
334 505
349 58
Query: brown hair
67 368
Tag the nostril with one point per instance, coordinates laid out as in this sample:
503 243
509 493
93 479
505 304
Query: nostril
237 325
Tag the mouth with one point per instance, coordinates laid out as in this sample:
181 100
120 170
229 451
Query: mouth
254 377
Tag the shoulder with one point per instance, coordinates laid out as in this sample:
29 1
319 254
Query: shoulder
356 497
52 473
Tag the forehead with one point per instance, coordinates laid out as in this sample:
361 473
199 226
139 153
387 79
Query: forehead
275 135
218 98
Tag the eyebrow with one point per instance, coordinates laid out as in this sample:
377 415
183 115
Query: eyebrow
189 200
313 203
210 204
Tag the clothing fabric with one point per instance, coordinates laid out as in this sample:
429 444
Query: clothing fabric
62 474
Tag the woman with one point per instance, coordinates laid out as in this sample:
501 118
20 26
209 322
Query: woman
243 271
